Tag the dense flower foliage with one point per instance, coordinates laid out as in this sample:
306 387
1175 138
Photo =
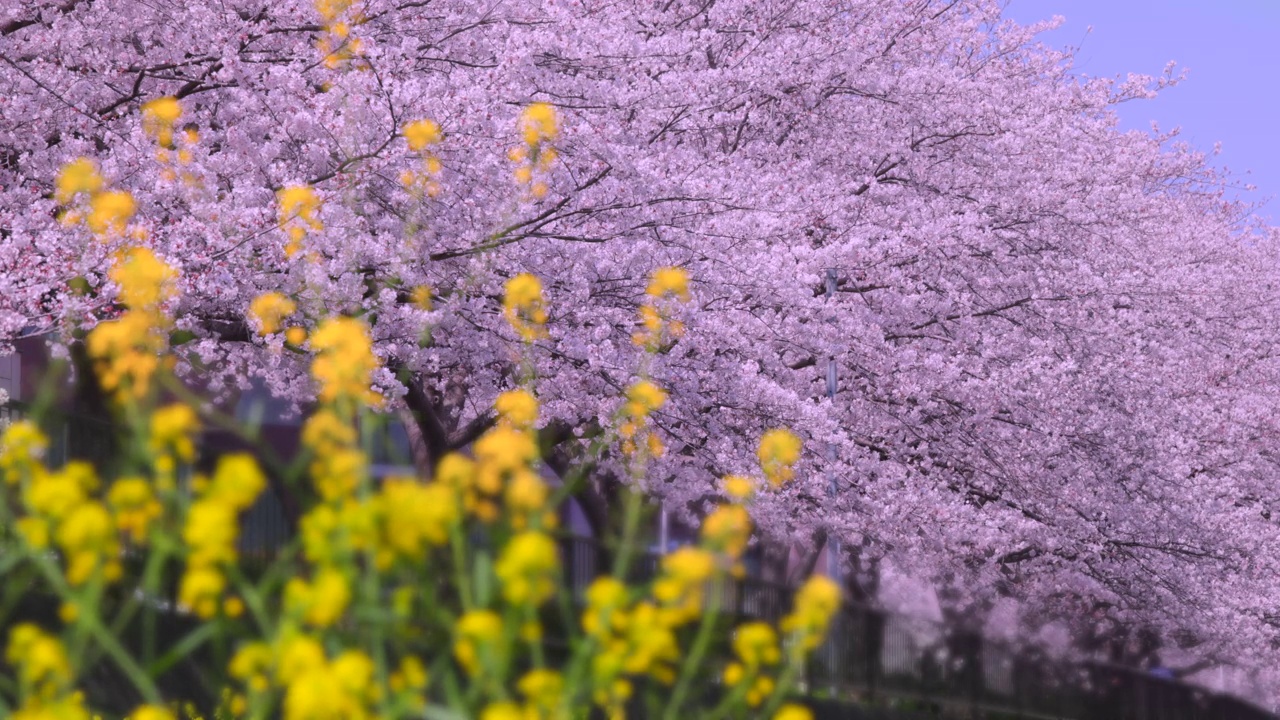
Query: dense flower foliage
1054 341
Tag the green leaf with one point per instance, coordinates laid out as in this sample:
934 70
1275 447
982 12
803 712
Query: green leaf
180 337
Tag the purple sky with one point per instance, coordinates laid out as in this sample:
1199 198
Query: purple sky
1231 49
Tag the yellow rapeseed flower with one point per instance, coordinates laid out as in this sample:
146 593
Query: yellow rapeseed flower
539 123
110 212
527 568
237 481
159 117
738 487
87 538
42 663
643 397
54 495
543 692
145 281
727 530
331 9
518 407
210 531
268 310
680 587
321 602
135 506
421 133
606 603
815 604
78 176
173 428
669 282
345 362
756 644
477 635
779 450
297 214
524 306
791 711
421 297
502 711
151 712
416 515
126 353
201 590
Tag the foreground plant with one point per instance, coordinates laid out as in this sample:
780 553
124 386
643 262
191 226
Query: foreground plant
405 597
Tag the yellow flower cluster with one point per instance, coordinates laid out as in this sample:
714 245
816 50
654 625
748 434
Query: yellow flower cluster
634 639
159 117
476 641
210 534
152 712
779 451
643 399
22 449
316 687
543 691
422 136
681 586
518 407
269 310
44 676
172 441
528 569
159 121
297 215
502 454
127 351
336 44
420 296
61 508
815 604
539 126
727 531
105 212
524 306
135 505
756 647
321 601
792 711
344 363
416 516
657 327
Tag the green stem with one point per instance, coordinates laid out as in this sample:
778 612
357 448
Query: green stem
693 660
795 661
457 543
630 527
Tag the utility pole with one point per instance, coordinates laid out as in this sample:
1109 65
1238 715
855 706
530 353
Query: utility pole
834 571
833 543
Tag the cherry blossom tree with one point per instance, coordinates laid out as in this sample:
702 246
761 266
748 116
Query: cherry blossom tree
1053 338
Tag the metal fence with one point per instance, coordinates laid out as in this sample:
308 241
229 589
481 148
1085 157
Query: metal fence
876 660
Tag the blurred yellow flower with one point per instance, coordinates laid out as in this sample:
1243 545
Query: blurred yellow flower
669 282
518 407
539 123
421 133
524 307
268 310
78 176
110 212
779 450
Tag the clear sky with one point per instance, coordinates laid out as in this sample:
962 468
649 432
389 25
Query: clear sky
1231 49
